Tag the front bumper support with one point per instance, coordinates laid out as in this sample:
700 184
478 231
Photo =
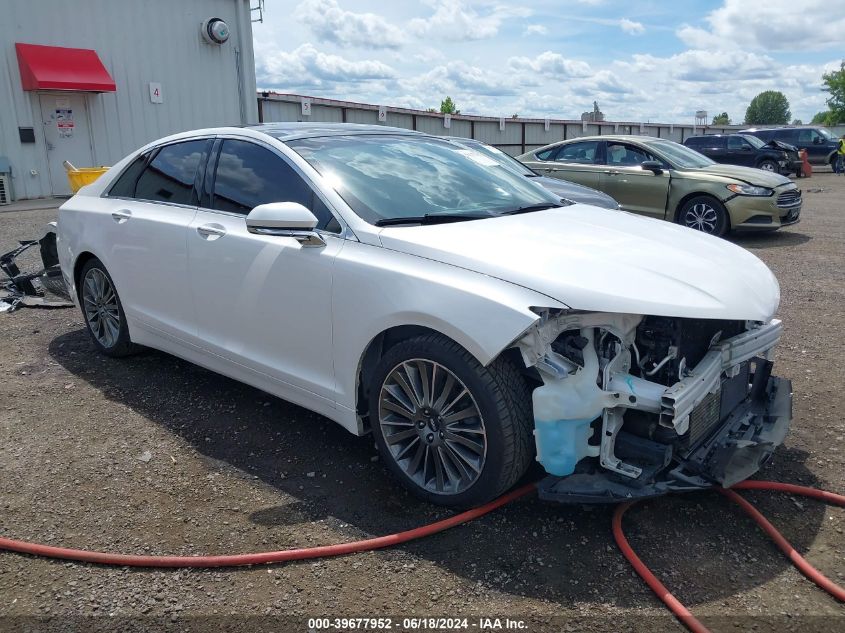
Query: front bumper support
733 452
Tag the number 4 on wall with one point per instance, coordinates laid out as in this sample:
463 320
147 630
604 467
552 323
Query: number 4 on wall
155 93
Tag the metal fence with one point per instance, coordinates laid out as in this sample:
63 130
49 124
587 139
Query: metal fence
512 135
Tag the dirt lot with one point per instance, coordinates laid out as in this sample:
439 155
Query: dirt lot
234 470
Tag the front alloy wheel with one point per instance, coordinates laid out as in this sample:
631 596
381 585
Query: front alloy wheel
704 214
432 426
453 431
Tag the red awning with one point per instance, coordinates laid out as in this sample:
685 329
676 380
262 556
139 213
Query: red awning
59 68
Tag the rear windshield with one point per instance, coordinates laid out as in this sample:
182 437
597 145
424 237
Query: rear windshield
385 177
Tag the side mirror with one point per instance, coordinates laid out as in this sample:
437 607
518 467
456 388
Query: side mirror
285 219
653 166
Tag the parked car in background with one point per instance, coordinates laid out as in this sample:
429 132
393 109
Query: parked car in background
402 286
663 179
820 143
568 191
747 150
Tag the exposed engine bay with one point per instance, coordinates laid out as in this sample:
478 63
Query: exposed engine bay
634 406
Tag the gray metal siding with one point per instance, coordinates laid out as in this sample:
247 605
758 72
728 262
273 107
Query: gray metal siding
138 42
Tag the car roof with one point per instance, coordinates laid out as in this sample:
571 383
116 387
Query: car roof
286 131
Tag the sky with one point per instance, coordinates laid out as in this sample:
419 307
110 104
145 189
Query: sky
642 60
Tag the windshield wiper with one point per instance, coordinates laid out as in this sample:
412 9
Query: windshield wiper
531 208
433 218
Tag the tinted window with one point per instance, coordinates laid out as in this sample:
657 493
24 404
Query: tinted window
582 152
124 186
712 142
624 155
737 142
547 154
248 175
170 175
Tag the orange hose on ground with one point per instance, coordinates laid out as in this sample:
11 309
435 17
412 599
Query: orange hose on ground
795 558
236 560
660 590
675 605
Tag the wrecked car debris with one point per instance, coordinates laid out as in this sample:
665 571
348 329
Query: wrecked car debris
33 289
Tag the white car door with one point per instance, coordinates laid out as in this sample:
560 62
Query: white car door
148 212
262 301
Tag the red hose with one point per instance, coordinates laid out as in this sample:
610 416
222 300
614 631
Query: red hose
674 605
236 560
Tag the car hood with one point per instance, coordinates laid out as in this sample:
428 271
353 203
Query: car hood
576 193
605 261
748 175
781 145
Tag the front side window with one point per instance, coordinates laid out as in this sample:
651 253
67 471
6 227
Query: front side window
737 142
583 152
384 177
624 155
249 175
170 175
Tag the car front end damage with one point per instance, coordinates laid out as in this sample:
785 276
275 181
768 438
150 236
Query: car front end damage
633 406
774 209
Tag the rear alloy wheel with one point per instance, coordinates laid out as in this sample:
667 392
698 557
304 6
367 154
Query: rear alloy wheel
103 311
768 165
704 214
454 432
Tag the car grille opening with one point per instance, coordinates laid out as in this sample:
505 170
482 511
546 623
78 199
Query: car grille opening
789 198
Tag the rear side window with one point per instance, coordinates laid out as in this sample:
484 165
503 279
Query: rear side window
171 173
249 175
585 152
695 141
547 154
124 186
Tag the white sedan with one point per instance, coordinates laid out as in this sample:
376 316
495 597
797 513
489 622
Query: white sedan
406 286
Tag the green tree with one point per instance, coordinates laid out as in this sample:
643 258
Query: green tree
447 106
797 122
826 118
768 108
722 119
834 84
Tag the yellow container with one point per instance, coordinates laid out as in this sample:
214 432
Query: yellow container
78 177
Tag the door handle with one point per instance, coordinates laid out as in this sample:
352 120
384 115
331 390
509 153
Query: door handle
121 216
613 172
211 232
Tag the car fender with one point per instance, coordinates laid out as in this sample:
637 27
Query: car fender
389 289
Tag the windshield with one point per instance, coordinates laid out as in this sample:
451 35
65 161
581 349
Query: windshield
756 142
505 160
384 177
679 156
827 134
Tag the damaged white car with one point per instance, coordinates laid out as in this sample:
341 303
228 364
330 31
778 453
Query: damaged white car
405 286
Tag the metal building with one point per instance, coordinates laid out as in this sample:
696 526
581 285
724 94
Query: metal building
88 81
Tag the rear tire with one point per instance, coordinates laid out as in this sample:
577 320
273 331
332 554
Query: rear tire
103 311
448 447
705 214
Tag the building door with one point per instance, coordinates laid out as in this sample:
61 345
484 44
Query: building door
66 136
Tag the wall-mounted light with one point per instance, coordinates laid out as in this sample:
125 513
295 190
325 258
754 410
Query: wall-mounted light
215 31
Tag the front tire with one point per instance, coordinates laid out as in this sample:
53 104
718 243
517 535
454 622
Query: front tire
103 311
453 432
768 165
705 214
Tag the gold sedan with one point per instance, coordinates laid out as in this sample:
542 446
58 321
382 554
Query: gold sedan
663 179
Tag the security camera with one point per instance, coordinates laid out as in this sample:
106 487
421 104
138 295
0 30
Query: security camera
215 31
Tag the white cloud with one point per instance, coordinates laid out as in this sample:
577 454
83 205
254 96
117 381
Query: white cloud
549 63
328 21
306 67
629 26
458 77
456 21
535 29
772 25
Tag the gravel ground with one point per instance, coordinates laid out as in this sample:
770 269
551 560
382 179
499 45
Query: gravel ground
151 454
